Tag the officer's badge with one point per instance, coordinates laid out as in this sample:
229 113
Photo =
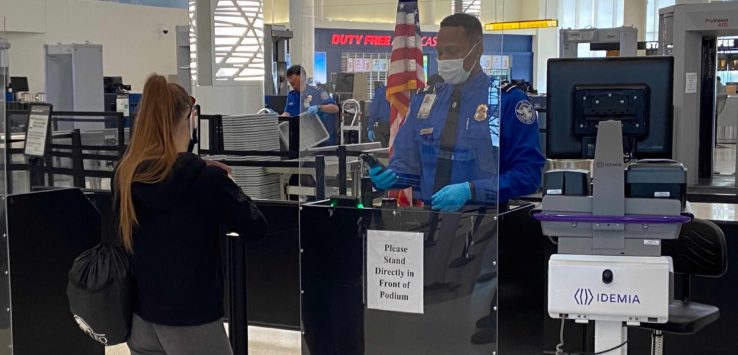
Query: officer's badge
481 113
308 100
324 95
525 112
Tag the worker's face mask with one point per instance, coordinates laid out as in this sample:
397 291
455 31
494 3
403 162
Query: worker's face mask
452 70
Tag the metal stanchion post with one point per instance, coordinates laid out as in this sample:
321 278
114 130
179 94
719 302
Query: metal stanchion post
238 320
342 170
77 161
319 177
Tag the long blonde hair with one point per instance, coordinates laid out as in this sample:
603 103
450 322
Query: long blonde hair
161 108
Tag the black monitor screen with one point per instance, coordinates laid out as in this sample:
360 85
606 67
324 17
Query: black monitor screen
344 82
19 83
111 84
276 103
634 90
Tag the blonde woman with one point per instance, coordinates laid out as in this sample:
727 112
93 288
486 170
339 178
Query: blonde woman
170 206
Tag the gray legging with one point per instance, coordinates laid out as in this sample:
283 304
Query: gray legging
154 339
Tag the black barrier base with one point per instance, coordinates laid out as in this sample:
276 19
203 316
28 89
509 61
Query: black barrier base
46 232
273 269
335 317
522 281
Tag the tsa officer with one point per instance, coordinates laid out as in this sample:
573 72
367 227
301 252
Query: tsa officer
309 99
448 149
379 117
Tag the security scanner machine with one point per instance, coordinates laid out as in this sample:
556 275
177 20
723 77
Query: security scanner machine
609 268
625 37
4 72
74 79
689 33
276 43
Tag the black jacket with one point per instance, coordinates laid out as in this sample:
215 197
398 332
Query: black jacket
176 264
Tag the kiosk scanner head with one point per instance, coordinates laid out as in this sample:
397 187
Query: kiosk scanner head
585 91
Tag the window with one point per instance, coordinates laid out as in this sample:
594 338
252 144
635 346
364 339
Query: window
472 7
567 19
180 4
652 18
238 32
605 13
320 69
579 14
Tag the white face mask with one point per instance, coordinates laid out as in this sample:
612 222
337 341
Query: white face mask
452 70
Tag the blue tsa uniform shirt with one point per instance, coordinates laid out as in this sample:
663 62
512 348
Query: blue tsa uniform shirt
379 111
476 157
521 159
298 102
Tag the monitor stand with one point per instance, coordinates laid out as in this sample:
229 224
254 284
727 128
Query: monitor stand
608 267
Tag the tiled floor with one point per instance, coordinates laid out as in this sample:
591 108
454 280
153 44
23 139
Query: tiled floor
725 159
262 341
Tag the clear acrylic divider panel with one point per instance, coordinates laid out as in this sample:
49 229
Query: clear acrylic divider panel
399 259
5 310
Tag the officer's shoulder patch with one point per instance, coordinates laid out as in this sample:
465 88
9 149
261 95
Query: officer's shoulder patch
525 112
324 95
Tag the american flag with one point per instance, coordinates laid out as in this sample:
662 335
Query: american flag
406 72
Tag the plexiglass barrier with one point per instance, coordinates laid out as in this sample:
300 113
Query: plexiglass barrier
400 197
6 344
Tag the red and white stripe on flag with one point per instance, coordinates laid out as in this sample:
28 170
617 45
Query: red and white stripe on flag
405 74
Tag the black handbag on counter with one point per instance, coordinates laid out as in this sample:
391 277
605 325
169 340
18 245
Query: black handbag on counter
100 293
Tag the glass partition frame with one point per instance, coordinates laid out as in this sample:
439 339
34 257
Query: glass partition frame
6 342
338 222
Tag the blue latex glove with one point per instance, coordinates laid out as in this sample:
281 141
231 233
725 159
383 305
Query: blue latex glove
382 179
313 110
451 198
372 136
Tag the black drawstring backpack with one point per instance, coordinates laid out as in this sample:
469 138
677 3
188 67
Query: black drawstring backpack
100 293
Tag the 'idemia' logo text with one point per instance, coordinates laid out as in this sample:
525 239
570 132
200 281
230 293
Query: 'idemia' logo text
585 297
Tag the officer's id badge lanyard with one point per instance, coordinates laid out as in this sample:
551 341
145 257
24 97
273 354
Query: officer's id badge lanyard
427 105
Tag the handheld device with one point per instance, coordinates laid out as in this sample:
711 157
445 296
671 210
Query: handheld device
371 161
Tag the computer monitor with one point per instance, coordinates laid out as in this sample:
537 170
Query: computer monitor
344 82
111 84
19 83
276 103
634 90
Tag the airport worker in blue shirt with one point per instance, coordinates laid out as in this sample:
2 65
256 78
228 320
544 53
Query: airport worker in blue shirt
379 117
304 98
457 148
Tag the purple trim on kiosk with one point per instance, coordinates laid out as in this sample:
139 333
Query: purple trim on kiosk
631 219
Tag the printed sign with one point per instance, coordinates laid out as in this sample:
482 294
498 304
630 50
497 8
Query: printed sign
383 64
691 85
395 271
375 64
38 127
122 105
350 65
367 65
486 62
